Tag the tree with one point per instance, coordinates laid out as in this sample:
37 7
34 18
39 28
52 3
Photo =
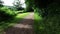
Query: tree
29 5
17 4
50 10
1 3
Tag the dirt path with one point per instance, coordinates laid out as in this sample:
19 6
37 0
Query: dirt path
24 27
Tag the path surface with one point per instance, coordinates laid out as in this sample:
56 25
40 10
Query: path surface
24 27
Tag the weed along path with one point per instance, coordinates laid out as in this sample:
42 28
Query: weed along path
25 26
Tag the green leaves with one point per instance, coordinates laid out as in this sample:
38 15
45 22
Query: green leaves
6 14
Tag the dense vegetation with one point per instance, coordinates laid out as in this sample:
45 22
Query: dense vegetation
47 14
29 5
10 15
49 10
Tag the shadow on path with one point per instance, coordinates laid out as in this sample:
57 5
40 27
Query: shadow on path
23 27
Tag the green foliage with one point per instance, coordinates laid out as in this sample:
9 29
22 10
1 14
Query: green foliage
49 10
5 25
51 23
6 14
47 25
37 20
53 9
29 5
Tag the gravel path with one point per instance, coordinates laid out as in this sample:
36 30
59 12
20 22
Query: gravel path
24 27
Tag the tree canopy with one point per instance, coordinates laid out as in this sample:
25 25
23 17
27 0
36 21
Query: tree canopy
17 4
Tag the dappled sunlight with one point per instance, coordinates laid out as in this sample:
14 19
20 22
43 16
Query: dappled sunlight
21 15
23 26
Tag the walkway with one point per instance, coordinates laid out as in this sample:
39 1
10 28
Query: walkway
24 27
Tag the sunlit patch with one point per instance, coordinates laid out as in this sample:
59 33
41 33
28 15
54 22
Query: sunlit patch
21 15
23 26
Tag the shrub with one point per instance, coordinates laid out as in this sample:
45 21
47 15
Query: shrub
51 23
6 14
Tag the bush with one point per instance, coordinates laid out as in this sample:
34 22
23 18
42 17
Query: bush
51 23
20 8
6 14
53 9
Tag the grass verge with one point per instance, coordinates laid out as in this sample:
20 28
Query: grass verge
37 20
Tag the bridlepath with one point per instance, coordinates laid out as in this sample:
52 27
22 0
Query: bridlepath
24 27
